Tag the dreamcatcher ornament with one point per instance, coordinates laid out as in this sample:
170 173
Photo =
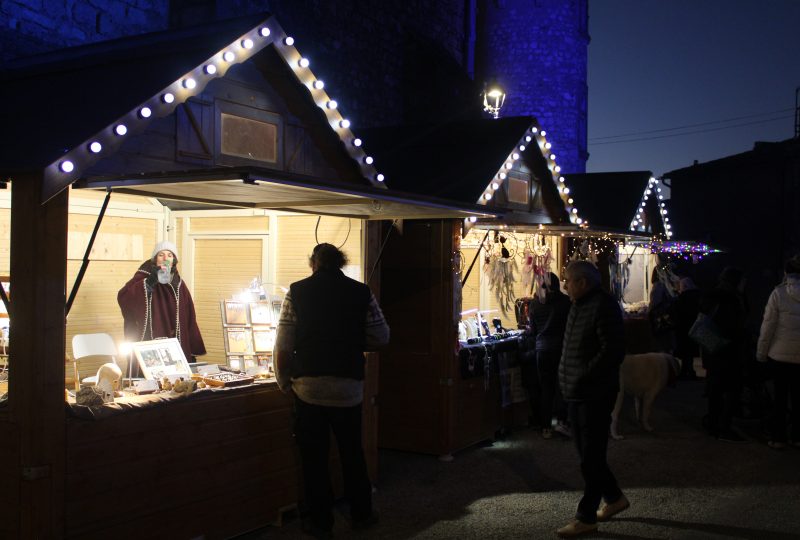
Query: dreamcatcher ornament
620 275
584 252
536 260
499 267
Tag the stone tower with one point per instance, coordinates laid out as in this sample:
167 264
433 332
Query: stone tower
538 51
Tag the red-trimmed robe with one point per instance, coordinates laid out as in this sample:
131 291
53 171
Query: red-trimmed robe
133 300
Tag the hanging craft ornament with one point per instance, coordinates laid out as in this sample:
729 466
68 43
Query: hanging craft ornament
501 269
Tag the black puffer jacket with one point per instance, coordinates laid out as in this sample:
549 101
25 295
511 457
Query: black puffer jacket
593 348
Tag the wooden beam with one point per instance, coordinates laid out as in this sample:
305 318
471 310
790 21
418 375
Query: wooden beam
36 385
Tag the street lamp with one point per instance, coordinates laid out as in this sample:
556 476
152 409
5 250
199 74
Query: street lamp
493 99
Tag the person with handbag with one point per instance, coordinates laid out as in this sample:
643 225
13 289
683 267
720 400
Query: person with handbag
779 343
724 307
684 312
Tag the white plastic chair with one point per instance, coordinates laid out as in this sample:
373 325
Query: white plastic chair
87 346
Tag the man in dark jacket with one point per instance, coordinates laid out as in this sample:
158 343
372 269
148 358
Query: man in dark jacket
589 378
327 320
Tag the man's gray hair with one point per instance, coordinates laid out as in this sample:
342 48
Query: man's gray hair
585 270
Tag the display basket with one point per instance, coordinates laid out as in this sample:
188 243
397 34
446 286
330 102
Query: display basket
226 379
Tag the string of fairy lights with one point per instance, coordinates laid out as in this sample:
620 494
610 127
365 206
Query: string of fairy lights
546 148
75 160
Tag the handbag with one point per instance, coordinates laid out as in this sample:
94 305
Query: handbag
704 332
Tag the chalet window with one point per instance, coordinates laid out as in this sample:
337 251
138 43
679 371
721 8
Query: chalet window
248 136
250 139
518 190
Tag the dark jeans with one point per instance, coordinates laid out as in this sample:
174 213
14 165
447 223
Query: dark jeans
590 420
787 389
547 369
312 428
724 384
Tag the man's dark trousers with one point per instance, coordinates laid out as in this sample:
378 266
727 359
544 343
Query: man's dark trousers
591 419
313 424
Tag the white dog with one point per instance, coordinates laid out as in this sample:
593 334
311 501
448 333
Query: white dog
643 376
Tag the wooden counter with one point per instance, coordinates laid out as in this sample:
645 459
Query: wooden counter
213 467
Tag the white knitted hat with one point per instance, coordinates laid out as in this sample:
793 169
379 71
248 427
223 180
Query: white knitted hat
165 246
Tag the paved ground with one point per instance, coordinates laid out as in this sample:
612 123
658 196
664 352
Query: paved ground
681 484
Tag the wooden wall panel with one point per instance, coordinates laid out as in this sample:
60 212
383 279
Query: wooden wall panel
296 239
9 478
5 241
208 458
223 267
230 225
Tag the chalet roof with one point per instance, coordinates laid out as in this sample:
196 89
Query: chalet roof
64 101
461 158
615 201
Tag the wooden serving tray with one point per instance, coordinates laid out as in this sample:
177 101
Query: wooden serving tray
225 378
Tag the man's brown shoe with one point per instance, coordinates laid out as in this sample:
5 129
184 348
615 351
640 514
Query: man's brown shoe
612 509
575 528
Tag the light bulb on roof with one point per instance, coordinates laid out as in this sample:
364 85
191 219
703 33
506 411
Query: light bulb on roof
368 160
514 156
502 176
379 177
544 133
566 190
527 138
264 31
189 83
648 192
120 129
167 97
534 129
487 196
145 112
247 43
228 56
508 165
210 69
331 104
561 179
547 145
579 220
553 157
318 84
473 219
344 123
570 201
557 168
289 40
66 166
95 147
356 142
303 62
522 148
495 186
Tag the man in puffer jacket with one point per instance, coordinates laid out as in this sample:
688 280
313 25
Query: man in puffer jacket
780 341
589 378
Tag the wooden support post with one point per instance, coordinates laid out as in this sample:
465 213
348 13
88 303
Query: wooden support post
36 382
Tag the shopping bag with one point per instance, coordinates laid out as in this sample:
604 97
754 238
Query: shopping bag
705 333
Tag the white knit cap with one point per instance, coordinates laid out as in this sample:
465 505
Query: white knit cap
165 246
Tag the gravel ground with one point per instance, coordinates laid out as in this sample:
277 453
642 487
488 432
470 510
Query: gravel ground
681 484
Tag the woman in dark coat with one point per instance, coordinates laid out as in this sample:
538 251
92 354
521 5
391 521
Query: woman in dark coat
548 320
684 313
152 309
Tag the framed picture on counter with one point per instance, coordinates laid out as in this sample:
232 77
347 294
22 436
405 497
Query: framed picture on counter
238 341
234 313
261 314
263 340
159 358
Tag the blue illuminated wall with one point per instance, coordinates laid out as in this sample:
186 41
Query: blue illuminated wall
386 62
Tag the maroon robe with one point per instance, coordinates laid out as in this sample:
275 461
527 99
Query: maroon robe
134 300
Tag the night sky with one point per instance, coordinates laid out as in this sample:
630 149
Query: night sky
726 68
